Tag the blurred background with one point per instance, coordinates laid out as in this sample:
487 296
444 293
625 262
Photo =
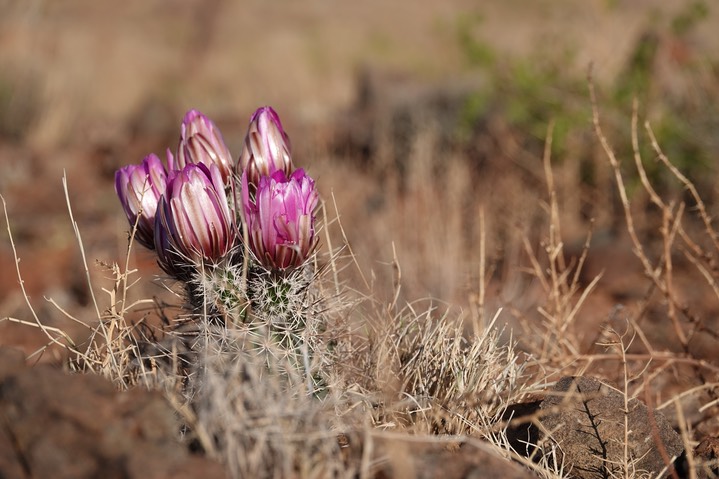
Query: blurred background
416 117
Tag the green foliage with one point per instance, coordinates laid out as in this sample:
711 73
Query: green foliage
477 53
530 92
686 20
534 94
637 77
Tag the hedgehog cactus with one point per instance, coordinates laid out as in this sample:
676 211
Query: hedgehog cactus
139 188
192 214
201 142
194 225
280 219
266 149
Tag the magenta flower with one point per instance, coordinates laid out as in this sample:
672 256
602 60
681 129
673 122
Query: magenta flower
194 224
266 148
280 220
201 142
139 188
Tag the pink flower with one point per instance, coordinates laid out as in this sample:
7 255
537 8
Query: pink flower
194 224
280 219
139 188
201 142
266 148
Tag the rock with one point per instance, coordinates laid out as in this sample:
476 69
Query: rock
412 457
586 419
706 455
61 425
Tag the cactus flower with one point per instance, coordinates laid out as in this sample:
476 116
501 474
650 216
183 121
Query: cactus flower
194 224
280 219
266 148
139 188
201 142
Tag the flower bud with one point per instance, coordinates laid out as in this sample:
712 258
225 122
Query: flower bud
280 219
194 224
266 148
201 142
139 188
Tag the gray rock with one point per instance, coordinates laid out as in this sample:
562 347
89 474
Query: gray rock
587 418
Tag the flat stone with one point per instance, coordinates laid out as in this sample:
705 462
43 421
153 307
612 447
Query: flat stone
59 425
587 419
427 459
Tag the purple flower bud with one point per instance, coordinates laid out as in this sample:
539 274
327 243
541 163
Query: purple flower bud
280 220
266 148
171 164
194 224
201 142
139 188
